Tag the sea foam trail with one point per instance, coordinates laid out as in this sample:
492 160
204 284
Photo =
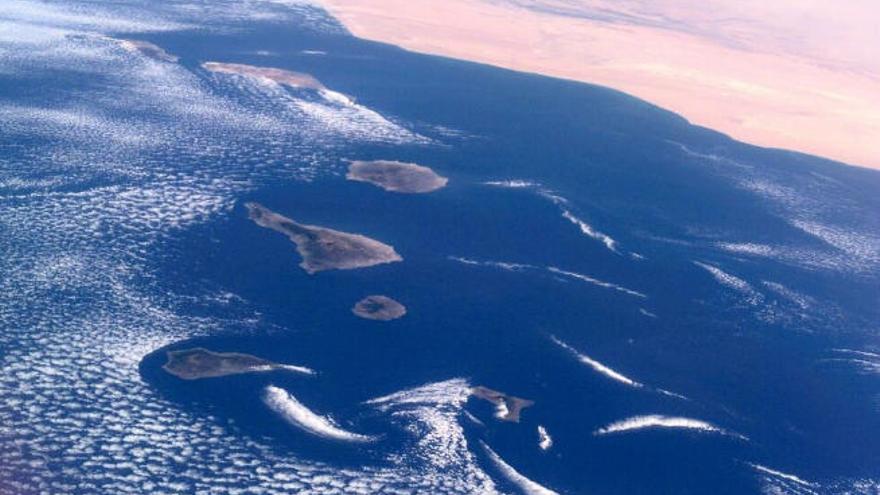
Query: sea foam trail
299 415
520 267
297 369
753 297
562 203
867 362
596 365
589 231
658 421
528 486
780 474
859 353
286 367
594 281
647 313
513 184
504 265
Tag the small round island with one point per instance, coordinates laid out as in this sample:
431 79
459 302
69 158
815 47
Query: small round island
380 308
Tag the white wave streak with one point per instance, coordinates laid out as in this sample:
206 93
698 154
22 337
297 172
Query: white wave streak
866 362
704 156
285 367
299 415
528 486
561 202
749 248
859 353
753 297
513 184
596 365
296 369
545 441
866 366
594 281
473 419
864 247
804 302
657 421
647 313
780 474
669 393
553 197
504 265
589 231
517 267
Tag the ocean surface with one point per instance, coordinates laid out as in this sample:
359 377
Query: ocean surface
689 314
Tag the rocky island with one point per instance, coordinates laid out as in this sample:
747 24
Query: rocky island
322 248
192 364
396 176
379 308
507 407
280 76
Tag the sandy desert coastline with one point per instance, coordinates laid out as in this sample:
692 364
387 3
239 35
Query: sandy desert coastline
802 82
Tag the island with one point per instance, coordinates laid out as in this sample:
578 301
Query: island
196 363
322 248
396 176
148 49
280 76
379 308
507 407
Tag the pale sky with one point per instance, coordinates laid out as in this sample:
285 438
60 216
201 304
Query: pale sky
795 74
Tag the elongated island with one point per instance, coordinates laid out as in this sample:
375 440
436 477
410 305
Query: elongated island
322 248
280 76
396 176
196 363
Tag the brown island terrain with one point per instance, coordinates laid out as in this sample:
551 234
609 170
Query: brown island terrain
280 76
396 176
148 49
380 308
196 363
507 407
322 248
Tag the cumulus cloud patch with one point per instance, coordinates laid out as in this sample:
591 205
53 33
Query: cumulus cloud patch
294 412
596 365
95 181
527 486
653 421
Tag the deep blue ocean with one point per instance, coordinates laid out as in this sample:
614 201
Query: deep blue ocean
690 314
